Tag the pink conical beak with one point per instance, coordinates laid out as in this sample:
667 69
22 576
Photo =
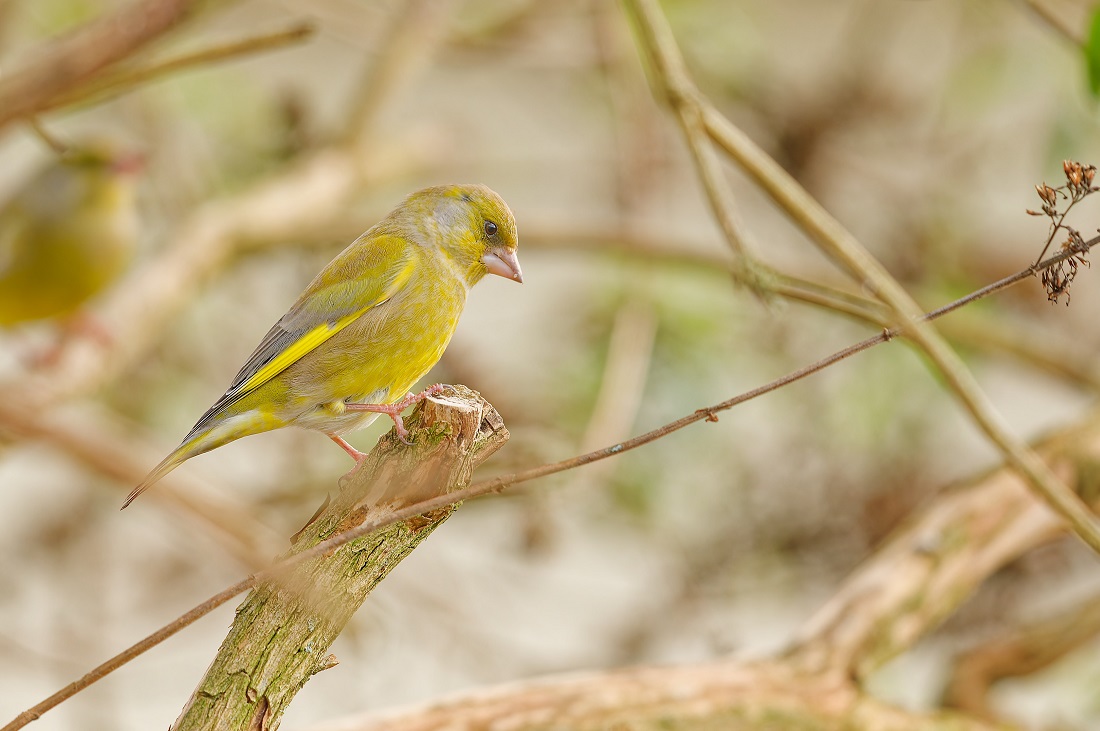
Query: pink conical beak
503 263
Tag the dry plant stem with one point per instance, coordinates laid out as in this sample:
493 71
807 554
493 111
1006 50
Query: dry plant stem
66 62
1022 652
1043 10
983 334
679 90
119 81
479 489
135 650
281 634
48 138
836 242
1056 225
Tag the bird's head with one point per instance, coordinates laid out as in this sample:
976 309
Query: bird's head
94 178
475 227
97 174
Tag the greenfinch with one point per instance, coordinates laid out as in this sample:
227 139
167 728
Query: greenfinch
369 326
67 234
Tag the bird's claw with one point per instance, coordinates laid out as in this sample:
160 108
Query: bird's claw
402 432
394 410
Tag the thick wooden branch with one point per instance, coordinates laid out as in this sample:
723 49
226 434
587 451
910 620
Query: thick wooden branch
283 631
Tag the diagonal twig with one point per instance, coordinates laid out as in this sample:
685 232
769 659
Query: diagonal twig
841 246
69 61
121 80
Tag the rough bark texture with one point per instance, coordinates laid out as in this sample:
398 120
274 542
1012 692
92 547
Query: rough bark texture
282 632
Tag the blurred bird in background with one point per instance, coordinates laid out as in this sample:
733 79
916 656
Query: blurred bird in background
67 234
369 326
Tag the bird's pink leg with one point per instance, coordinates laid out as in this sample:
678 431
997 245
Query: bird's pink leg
354 453
394 410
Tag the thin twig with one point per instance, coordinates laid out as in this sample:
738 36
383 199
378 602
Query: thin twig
841 246
667 250
35 712
71 60
1044 11
48 138
488 487
680 92
124 80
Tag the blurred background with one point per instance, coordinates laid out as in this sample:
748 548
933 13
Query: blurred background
923 126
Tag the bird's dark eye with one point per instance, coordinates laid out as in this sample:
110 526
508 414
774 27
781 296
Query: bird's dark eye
490 229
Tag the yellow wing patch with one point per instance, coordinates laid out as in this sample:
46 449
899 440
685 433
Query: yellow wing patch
320 334
298 348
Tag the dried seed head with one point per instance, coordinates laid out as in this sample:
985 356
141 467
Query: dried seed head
1047 194
1073 172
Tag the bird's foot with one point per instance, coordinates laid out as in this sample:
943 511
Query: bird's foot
394 410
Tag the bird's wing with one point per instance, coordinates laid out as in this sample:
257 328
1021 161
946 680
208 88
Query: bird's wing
363 276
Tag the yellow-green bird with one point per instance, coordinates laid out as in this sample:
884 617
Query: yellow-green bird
369 326
68 234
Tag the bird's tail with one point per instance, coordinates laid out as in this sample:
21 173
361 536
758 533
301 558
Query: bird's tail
201 440
213 430
169 463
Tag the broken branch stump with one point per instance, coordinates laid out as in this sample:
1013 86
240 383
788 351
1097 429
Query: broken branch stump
282 632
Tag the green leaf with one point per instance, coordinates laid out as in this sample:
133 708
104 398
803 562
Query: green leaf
1092 53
